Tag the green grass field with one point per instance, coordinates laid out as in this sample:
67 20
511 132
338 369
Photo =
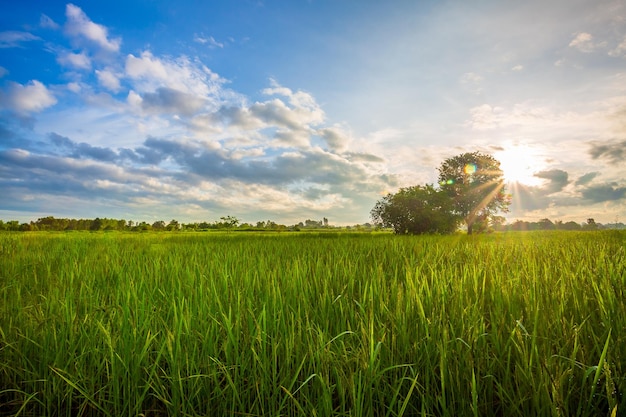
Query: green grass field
334 324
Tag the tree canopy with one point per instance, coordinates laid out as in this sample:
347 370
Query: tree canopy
475 183
471 190
416 210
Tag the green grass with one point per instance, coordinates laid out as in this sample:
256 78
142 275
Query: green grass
312 324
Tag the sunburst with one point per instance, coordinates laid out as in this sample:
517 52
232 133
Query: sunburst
519 163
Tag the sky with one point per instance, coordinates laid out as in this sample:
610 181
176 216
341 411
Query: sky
152 110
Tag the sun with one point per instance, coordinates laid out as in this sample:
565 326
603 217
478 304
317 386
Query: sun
519 163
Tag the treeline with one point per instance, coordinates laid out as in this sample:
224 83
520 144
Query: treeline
547 224
51 223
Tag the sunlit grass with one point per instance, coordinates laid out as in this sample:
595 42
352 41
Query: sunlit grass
312 324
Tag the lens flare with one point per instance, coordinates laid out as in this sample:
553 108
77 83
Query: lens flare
470 169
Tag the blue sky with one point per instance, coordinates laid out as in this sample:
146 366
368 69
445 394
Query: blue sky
290 110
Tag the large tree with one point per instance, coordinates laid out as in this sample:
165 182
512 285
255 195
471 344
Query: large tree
474 183
416 210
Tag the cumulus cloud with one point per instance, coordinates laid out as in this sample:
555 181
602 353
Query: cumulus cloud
553 194
109 79
171 101
312 165
604 192
586 178
75 60
336 138
303 102
80 27
613 151
149 73
13 39
82 150
557 180
237 117
32 97
584 43
74 87
275 112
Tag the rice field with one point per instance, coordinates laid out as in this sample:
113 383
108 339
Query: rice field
307 324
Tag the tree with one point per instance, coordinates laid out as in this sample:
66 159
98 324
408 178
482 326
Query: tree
590 225
546 224
416 210
474 183
158 225
172 225
229 221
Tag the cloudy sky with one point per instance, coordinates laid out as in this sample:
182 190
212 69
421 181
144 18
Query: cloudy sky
290 110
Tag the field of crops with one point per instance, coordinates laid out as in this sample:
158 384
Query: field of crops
329 324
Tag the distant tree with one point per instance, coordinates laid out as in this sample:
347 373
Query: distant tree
96 224
13 225
416 210
142 227
475 184
546 224
590 225
571 226
190 226
158 225
26 227
172 225
229 221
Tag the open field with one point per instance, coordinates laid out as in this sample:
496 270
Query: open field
190 324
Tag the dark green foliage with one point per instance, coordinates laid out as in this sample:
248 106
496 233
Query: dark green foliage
416 210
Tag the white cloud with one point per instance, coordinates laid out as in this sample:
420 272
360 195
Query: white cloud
79 25
70 59
517 68
74 87
32 97
134 100
46 22
13 39
305 108
3 72
583 42
210 41
149 73
109 79
336 138
619 50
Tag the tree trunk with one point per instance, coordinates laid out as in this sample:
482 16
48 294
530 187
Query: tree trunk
470 226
